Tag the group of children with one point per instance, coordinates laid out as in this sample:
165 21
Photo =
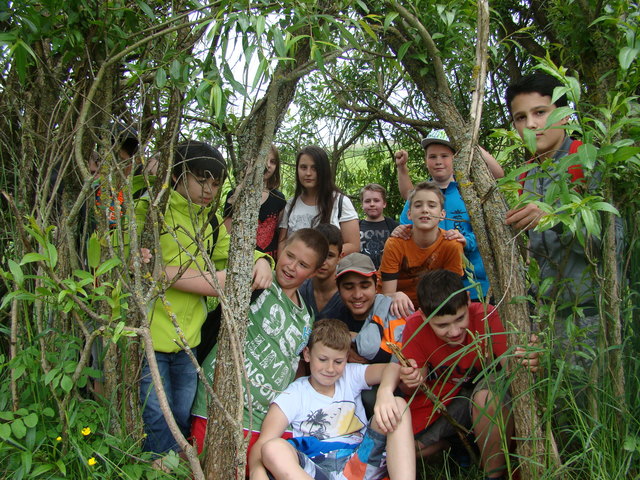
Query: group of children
338 310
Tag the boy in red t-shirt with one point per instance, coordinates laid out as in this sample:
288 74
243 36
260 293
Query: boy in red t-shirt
460 341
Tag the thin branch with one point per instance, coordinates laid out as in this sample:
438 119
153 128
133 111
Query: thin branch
432 49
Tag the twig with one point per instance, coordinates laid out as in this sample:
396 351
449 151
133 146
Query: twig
461 430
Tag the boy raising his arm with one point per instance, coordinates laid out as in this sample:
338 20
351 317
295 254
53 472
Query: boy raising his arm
331 439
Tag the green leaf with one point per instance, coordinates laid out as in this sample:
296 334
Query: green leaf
260 24
278 42
631 444
558 114
363 6
31 420
622 155
216 97
626 57
40 469
18 428
19 370
575 90
161 77
529 140
587 154
316 54
7 38
559 92
5 431
7 416
69 367
146 9
243 22
117 332
16 271
171 460
175 70
62 467
93 251
229 75
391 16
402 51
367 28
590 222
50 375
262 67
19 51
33 257
605 207
26 458
48 412
66 384
108 266
53 255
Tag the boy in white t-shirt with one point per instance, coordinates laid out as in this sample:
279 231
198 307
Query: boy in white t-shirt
331 437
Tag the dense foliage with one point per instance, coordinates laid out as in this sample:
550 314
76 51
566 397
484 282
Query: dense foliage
372 77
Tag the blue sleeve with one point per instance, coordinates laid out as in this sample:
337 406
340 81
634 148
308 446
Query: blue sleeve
404 217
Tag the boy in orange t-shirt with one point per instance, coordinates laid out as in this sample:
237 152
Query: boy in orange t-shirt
404 261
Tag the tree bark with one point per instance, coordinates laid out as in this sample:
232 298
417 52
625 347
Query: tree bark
497 242
226 448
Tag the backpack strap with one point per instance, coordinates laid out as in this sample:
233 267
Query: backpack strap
576 172
215 225
340 200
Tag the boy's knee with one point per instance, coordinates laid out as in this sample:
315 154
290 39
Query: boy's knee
479 399
401 403
488 404
273 450
485 403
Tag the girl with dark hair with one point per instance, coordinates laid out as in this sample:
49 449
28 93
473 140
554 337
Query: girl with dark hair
318 200
271 206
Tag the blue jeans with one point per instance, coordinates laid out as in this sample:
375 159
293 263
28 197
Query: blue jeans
180 381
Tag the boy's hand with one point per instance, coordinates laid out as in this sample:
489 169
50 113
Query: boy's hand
411 376
386 411
401 306
528 357
454 234
402 231
402 157
524 218
262 276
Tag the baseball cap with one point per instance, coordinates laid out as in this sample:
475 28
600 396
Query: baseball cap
356 263
431 140
438 137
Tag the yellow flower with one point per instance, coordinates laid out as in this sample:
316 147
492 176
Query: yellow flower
58 439
86 431
92 461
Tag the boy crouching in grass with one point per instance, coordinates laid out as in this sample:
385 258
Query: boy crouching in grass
330 434
446 355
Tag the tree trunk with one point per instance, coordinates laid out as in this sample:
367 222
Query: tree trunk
226 449
487 211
